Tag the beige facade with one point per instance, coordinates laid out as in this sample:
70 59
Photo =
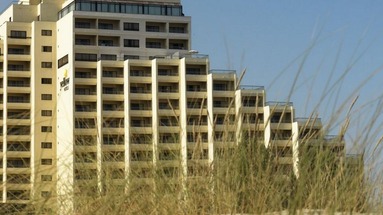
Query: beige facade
96 88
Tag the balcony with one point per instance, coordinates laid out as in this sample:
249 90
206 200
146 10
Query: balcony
18 86
141 92
85 94
113 109
155 43
19 53
18 101
309 122
18 163
179 44
13 122
168 74
195 90
169 79
112 77
140 72
15 70
281 142
284 160
114 140
85 80
168 91
252 89
113 93
279 105
14 40
178 28
104 24
108 41
141 126
144 112
83 110
85 40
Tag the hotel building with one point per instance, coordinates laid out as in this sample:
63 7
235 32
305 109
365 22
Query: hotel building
91 89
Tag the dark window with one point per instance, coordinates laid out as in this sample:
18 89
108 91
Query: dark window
46 162
130 26
46 129
126 57
46 96
46 49
45 194
177 29
46 64
82 25
108 57
46 145
152 28
46 32
18 34
131 43
62 61
46 113
46 81
85 57
156 45
105 26
46 177
84 42
176 46
105 43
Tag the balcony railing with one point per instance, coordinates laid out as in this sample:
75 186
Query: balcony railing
141 124
279 104
140 90
251 87
222 71
18 85
18 100
307 120
112 91
331 137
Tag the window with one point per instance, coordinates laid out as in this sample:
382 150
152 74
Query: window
46 177
46 113
131 26
46 161
46 81
47 129
46 49
46 64
62 61
132 43
18 34
126 57
45 194
105 42
152 28
46 145
156 45
176 46
46 32
176 29
105 26
46 96
85 57
108 57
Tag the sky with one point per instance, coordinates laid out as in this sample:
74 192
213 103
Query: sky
324 56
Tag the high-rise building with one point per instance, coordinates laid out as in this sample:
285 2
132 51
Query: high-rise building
96 87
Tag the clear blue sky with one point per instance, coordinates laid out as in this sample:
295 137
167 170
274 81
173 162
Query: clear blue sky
338 45
273 39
